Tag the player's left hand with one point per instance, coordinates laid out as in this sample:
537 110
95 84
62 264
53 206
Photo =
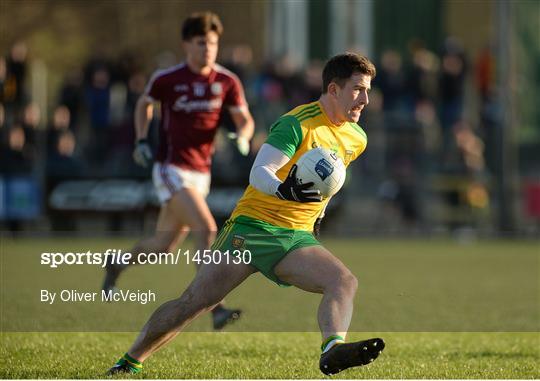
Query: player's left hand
242 144
317 227
142 154
292 190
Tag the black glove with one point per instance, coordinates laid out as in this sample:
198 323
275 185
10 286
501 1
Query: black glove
317 227
142 154
291 190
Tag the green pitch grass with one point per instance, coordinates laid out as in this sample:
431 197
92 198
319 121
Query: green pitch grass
445 310
277 355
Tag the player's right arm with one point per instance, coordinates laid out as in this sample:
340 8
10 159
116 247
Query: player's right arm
263 177
155 91
263 172
142 154
143 114
283 140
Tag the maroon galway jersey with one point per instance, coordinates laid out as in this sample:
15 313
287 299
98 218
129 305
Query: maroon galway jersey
190 108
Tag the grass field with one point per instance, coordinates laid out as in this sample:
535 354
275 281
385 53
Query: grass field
276 355
445 310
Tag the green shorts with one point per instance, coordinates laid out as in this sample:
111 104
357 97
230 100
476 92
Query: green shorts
267 243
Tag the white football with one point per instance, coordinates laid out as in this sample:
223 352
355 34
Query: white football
322 167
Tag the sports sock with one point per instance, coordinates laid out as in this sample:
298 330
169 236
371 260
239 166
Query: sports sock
330 341
134 365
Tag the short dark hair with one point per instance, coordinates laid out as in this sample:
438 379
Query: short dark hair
340 68
200 23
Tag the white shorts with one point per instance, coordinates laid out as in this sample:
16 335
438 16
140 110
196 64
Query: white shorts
169 179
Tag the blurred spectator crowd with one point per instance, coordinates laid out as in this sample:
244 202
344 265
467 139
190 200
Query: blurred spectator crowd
417 122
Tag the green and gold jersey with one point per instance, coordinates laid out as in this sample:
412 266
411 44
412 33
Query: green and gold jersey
296 132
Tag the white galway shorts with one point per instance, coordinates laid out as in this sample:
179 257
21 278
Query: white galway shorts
169 179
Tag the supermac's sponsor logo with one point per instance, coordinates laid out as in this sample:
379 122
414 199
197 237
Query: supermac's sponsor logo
184 104
181 87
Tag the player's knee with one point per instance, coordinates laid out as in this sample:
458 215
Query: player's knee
208 232
341 283
165 244
205 228
352 283
346 284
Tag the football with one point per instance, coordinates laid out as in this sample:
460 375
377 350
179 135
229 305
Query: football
322 167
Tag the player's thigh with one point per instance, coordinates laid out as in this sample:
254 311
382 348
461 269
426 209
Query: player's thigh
215 280
191 209
313 269
183 192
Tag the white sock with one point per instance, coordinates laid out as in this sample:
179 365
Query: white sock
331 344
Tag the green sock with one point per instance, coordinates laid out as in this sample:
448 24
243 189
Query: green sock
330 341
134 366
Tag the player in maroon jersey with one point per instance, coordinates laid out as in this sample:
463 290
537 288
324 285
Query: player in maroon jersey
192 95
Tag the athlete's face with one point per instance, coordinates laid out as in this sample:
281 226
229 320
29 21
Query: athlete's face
202 50
352 97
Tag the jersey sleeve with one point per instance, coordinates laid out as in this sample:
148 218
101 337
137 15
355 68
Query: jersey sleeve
155 87
285 135
235 98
